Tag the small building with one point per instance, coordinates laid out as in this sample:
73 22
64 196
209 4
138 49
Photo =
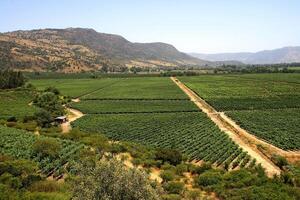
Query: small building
61 119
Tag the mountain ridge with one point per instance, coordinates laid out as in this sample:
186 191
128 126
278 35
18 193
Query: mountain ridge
81 49
289 54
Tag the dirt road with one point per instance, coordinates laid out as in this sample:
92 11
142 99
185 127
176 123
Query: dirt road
233 131
72 116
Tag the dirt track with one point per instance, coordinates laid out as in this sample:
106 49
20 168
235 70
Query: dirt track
74 114
237 134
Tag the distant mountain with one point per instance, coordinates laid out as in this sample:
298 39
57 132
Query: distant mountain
79 49
282 55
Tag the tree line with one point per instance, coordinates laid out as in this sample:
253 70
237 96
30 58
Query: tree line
10 79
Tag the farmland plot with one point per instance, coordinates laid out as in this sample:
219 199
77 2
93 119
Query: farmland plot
16 103
19 144
140 88
192 133
267 107
74 87
133 106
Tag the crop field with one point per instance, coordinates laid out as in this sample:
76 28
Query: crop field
15 103
133 106
74 87
19 144
264 104
154 111
281 126
140 88
192 133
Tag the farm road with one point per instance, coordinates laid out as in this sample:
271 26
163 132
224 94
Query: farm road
236 134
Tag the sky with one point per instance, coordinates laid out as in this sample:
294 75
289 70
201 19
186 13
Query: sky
203 26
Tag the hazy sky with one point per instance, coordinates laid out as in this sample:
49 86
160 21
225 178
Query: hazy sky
205 26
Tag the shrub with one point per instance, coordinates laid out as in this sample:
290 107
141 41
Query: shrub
167 175
174 157
43 118
174 187
110 179
47 147
45 186
171 197
181 168
12 119
209 178
279 161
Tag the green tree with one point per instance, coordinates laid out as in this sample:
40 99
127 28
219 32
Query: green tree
43 118
110 179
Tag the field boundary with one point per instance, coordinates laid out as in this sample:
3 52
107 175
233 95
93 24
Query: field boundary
146 112
234 132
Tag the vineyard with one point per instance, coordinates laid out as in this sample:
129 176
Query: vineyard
192 133
265 105
74 87
15 103
152 111
19 144
140 88
133 106
285 135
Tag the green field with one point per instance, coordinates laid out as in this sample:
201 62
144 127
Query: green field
140 88
266 105
133 106
115 88
19 144
16 103
151 111
192 133
74 87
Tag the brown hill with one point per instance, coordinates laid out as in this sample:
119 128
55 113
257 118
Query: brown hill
78 49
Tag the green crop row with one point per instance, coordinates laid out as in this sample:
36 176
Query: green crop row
19 144
279 127
133 106
192 133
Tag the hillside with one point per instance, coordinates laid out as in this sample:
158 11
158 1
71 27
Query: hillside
282 55
78 49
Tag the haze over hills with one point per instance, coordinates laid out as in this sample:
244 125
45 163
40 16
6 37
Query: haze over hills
79 49
282 55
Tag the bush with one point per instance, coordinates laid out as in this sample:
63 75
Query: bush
279 161
174 157
12 119
174 187
45 186
209 178
181 168
171 197
47 147
53 90
110 179
43 118
167 175
193 195
200 169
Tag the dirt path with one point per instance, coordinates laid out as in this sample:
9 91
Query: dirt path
72 116
236 134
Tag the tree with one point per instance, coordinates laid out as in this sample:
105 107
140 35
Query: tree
43 118
110 179
50 102
10 79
